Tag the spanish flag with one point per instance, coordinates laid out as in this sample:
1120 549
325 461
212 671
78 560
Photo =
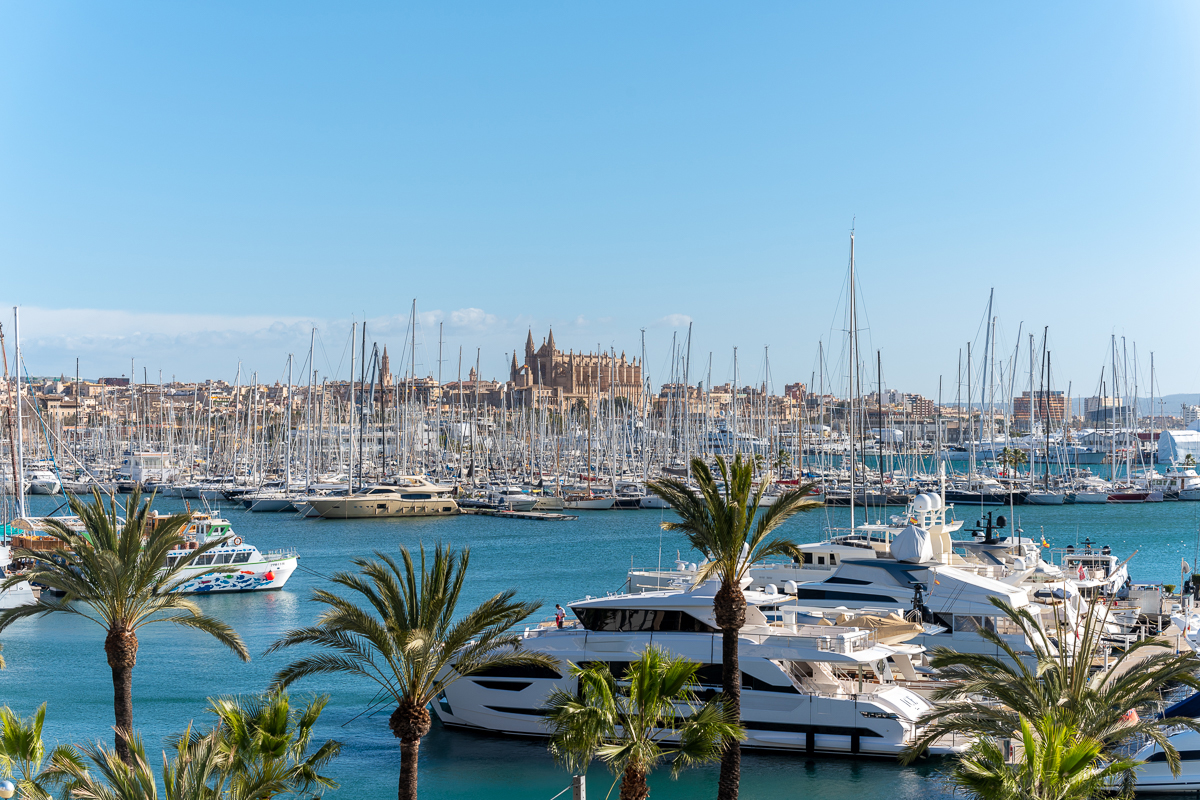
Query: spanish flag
1044 544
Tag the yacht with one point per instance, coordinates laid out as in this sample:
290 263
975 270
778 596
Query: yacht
511 498
805 688
587 501
40 480
20 594
1154 776
407 496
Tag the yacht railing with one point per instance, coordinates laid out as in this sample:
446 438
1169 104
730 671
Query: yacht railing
826 639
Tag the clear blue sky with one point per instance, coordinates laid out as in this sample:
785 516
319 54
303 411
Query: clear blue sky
193 184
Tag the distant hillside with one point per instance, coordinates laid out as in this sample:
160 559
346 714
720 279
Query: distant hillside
1169 404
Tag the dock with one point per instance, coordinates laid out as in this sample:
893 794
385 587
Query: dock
542 516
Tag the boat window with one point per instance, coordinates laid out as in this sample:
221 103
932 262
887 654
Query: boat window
640 619
446 508
417 496
1004 626
829 594
204 560
820 559
944 620
380 491
1184 755
241 557
808 558
222 558
517 671
967 623
832 559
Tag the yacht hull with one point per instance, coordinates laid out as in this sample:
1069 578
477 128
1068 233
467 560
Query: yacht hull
370 508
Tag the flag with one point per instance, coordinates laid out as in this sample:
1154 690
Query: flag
1044 544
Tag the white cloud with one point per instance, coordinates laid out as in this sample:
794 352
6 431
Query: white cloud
673 321
472 319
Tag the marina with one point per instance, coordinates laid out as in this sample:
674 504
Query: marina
557 563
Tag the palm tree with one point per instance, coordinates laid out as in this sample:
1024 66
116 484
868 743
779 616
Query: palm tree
114 575
720 523
1057 762
262 746
1012 458
193 774
989 696
628 726
22 751
405 639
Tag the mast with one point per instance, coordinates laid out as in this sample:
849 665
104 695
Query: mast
350 410
308 443
20 476
853 357
287 432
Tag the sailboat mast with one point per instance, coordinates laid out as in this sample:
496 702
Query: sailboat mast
20 476
853 357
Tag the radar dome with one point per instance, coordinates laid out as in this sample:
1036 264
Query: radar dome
926 502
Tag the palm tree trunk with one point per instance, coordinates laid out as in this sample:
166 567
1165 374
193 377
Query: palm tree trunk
409 752
729 608
409 723
633 784
121 646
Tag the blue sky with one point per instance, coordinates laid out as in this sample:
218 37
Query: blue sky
191 185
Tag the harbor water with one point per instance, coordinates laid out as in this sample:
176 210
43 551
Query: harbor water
60 660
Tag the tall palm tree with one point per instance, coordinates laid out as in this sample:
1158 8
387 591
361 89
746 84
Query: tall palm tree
1057 762
114 575
989 696
22 752
630 727
406 639
720 523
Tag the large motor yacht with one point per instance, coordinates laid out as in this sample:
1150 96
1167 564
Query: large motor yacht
408 496
808 688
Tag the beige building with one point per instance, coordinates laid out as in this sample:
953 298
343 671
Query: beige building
551 377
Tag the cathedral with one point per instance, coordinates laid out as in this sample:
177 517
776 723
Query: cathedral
552 377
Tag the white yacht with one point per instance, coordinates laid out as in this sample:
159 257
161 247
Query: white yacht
21 594
407 496
40 480
806 688
511 498
1154 776
587 501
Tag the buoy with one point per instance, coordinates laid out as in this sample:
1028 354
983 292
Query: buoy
270 576
237 540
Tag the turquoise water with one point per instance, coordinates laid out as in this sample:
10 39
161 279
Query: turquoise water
61 661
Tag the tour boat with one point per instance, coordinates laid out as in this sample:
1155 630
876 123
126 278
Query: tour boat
250 569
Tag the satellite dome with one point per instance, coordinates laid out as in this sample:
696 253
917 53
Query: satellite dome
926 502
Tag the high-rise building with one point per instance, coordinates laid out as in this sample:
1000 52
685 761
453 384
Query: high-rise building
1045 404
